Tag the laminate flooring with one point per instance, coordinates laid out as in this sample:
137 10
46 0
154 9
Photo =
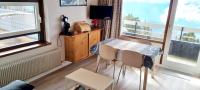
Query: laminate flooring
164 79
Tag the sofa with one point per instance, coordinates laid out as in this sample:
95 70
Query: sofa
18 85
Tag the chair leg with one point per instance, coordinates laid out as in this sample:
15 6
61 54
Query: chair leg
106 64
98 62
114 71
140 79
119 73
124 70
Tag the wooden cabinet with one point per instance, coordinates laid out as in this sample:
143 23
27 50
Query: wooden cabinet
94 38
77 46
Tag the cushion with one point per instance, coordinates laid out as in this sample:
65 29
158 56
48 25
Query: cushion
18 85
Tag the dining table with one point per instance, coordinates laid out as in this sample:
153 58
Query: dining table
149 51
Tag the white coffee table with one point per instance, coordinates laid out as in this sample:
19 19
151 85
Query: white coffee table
91 80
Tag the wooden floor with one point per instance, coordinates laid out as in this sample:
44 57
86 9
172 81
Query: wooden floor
164 79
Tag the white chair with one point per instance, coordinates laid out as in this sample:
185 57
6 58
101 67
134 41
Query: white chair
132 59
106 53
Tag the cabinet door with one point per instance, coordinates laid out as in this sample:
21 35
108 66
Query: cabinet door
85 46
94 37
81 47
69 48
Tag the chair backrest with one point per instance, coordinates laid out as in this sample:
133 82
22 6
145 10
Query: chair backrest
131 58
106 52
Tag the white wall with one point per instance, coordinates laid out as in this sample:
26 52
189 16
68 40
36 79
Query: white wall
53 11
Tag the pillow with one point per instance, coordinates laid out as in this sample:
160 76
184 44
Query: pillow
18 85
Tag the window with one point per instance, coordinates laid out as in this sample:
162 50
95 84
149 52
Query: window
20 23
145 18
18 41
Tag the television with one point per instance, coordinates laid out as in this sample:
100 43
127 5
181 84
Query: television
101 12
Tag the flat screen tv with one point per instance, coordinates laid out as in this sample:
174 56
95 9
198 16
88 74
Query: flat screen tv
101 12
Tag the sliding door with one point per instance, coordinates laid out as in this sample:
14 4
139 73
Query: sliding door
173 23
184 38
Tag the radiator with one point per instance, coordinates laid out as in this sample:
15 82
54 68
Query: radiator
28 67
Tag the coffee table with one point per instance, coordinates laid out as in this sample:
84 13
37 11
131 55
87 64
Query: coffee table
89 80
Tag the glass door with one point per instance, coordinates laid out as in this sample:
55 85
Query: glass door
184 39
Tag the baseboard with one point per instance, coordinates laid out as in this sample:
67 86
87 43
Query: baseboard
65 63
179 71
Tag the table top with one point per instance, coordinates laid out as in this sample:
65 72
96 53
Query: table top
148 50
90 79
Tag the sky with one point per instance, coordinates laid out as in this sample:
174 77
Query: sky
156 11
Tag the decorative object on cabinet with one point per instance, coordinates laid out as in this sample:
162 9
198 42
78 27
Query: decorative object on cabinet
65 26
80 27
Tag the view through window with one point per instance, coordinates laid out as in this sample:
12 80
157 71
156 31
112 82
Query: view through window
145 18
18 19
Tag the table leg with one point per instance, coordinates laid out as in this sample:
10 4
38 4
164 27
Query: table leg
153 72
112 86
145 78
98 62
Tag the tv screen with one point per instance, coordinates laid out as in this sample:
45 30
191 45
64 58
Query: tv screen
101 12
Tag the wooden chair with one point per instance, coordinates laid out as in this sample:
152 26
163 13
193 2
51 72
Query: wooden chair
106 53
132 59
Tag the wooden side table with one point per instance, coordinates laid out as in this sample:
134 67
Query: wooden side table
90 80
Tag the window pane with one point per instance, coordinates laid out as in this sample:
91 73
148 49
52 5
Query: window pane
17 18
187 21
185 41
145 18
17 41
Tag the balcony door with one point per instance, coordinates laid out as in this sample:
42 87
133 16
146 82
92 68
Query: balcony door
183 39
175 24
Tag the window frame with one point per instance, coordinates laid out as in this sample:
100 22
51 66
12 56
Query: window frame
40 32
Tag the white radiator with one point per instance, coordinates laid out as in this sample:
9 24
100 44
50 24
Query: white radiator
29 67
